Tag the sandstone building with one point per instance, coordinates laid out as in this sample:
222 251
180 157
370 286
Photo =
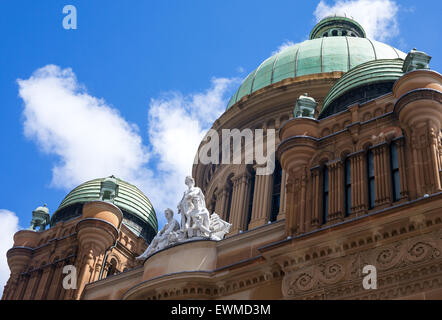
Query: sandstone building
357 182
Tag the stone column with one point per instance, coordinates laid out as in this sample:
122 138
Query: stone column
316 197
96 232
400 144
262 200
240 197
358 183
283 206
336 187
290 208
48 277
382 173
222 202
31 284
23 285
433 159
37 284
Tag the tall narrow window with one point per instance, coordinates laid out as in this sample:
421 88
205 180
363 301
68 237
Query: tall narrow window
324 194
252 191
229 201
112 267
276 193
371 183
395 179
347 180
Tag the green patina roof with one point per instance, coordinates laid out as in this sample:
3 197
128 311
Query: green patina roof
129 198
326 54
364 74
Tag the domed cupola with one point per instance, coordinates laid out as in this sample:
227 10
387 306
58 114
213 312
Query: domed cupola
138 213
337 26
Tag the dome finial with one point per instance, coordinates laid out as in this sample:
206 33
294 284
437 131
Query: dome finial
337 26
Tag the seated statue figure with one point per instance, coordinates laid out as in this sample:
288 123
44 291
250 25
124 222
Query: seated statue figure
166 236
218 227
199 220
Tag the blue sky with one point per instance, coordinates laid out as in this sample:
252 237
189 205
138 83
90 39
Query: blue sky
141 57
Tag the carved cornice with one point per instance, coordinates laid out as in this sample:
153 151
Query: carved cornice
418 94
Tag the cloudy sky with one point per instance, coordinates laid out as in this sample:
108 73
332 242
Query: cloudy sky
134 88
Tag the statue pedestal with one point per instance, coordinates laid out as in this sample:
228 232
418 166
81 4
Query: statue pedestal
192 255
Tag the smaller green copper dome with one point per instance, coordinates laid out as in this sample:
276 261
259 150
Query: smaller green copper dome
136 207
372 73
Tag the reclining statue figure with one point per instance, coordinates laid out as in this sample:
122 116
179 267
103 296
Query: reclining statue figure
165 237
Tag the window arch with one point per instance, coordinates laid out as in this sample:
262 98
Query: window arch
112 267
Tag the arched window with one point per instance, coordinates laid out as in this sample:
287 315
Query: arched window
325 34
395 178
276 193
335 33
325 189
344 32
347 183
370 181
112 267
212 202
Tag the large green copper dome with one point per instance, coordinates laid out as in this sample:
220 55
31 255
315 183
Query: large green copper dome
335 44
139 214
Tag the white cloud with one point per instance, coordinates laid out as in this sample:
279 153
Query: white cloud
8 226
92 139
177 124
377 17
283 46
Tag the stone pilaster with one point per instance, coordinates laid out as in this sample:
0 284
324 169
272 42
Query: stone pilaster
240 198
283 205
31 285
382 173
336 188
316 197
400 144
262 200
222 202
358 184
96 232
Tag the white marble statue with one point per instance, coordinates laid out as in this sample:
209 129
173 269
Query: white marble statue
218 227
185 205
167 236
196 222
